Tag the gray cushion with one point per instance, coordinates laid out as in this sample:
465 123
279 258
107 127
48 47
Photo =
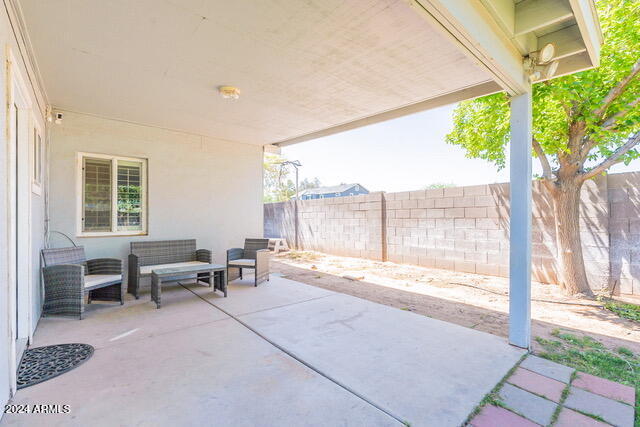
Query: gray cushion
243 262
91 280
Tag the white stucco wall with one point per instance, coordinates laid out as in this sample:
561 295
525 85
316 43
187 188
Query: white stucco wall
5 337
198 187
34 205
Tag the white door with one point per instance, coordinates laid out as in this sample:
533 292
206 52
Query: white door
15 196
19 246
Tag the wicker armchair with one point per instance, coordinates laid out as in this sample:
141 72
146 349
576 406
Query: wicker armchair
68 276
254 255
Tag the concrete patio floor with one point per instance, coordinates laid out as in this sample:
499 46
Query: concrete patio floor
283 353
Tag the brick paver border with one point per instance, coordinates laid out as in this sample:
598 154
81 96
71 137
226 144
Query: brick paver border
540 378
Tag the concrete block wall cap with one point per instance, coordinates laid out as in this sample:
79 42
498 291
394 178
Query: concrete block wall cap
435 193
453 191
476 190
419 194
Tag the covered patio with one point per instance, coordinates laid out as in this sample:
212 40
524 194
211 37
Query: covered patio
284 353
123 128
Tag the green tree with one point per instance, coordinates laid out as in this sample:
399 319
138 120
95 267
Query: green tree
436 185
582 125
279 180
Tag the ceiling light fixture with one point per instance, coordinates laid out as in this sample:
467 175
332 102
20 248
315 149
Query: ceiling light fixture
229 92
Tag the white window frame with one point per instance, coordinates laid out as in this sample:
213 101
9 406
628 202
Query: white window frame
37 163
114 196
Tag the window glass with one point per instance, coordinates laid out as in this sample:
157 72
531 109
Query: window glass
129 195
37 157
97 195
113 195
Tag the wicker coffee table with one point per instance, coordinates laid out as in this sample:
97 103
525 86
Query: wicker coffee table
217 275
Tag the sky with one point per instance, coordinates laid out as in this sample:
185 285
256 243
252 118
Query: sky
403 154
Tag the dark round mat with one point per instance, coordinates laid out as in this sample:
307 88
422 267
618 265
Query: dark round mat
42 363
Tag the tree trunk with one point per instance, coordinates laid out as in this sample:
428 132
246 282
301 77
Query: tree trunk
566 206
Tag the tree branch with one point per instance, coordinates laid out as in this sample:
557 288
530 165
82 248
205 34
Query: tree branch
611 121
587 146
613 158
568 110
544 161
617 90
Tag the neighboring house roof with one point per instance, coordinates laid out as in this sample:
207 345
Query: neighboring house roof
330 190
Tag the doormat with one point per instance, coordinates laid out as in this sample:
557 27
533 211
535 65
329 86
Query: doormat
43 363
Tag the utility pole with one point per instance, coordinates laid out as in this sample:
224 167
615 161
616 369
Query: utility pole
296 164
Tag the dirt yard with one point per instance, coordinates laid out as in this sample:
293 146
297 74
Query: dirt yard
470 300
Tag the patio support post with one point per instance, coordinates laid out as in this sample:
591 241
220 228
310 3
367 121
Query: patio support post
297 224
520 222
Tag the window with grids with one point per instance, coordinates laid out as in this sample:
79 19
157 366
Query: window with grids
113 195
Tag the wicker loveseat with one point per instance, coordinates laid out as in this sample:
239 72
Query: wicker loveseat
68 276
254 256
147 256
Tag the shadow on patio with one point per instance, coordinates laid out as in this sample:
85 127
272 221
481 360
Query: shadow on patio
621 332
283 353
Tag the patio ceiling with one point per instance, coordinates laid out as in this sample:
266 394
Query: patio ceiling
304 69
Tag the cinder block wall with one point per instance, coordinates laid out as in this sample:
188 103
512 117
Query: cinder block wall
457 228
348 226
467 229
624 196
279 220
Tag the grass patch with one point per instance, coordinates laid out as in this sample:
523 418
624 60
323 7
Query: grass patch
589 355
563 397
625 310
302 256
625 351
548 343
580 342
595 417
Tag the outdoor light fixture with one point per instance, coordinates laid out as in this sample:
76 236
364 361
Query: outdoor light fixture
546 54
229 92
540 64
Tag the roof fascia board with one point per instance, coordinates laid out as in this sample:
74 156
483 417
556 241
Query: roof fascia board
472 27
587 18
476 91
